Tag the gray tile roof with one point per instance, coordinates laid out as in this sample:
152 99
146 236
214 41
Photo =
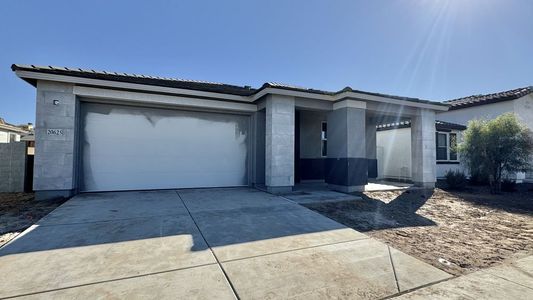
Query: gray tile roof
193 84
4 126
141 79
476 100
439 125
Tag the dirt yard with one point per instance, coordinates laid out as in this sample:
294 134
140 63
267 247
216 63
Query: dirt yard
458 232
19 211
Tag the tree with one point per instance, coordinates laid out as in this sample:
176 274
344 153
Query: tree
494 148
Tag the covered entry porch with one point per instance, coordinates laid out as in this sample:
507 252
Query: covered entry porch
334 142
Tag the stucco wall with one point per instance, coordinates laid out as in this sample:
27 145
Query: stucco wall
310 133
487 111
394 153
12 166
443 168
4 137
55 154
259 166
523 107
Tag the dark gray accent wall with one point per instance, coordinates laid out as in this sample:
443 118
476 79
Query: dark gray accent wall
311 162
347 164
372 168
347 171
312 168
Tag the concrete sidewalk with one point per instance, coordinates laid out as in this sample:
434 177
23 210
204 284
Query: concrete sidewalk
201 244
509 281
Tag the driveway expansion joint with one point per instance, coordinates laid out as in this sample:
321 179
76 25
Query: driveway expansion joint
506 279
393 269
210 248
296 249
112 220
105 281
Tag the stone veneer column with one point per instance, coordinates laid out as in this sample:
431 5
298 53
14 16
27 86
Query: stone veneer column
279 144
423 151
346 164
55 140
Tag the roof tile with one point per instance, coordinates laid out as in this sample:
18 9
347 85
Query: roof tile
196 84
476 100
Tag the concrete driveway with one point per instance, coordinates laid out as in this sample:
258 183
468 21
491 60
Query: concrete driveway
205 243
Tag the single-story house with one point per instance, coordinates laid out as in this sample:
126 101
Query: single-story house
107 131
518 101
394 149
10 133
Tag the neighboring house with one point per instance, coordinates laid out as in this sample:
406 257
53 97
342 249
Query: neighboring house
518 101
10 133
106 131
394 149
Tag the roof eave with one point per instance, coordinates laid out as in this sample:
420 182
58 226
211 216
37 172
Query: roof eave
32 76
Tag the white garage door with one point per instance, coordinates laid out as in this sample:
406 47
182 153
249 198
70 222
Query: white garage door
137 148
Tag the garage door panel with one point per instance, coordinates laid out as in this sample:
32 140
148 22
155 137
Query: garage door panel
127 148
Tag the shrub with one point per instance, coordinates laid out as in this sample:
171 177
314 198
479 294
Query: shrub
478 179
508 185
455 180
495 147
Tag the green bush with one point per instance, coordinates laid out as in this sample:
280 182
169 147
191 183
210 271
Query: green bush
455 180
492 148
508 185
478 179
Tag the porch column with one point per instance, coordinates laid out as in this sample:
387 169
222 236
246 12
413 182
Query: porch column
346 164
279 144
371 148
423 156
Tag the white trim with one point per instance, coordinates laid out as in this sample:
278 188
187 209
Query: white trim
361 97
448 146
135 97
349 103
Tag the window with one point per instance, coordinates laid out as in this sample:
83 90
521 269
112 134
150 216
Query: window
446 146
12 138
324 139
453 146
442 146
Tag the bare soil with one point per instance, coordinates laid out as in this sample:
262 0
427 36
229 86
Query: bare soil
458 232
19 211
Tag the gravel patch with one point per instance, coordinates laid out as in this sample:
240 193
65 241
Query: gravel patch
458 232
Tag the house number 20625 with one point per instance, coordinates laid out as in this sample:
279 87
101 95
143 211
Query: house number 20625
54 131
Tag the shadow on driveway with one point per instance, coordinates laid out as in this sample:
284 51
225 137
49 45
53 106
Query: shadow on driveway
373 214
224 216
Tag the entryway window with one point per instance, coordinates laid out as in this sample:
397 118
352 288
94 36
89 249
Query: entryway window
324 139
446 146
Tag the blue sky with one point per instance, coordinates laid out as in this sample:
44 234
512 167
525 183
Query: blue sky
429 49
